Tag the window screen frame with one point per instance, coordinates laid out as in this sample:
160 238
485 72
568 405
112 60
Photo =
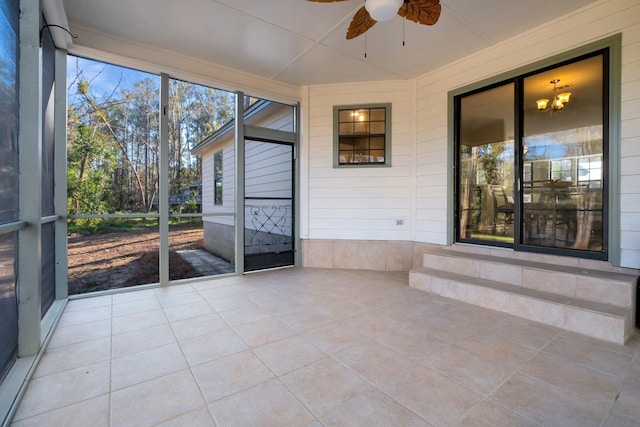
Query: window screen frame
387 135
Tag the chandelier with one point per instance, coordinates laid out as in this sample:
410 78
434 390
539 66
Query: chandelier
558 102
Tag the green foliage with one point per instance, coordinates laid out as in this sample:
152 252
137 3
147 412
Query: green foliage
490 158
113 140
88 180
109 225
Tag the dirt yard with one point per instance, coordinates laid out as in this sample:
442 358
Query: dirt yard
115 260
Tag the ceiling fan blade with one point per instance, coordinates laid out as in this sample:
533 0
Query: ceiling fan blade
424 12
360 23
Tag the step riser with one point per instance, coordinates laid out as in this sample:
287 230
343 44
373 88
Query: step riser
583 321
583 287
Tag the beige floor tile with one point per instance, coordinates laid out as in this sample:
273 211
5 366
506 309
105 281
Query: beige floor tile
372 301
77 317
197 418
61 389
274 301
628 402
488 414
306 318
618 420
58 359
154 401
198 326
581 381
217 292
79 333
85 303
289 354
230 374
91 412
437 399
205 348
372 324
324 385
339 310
414 344
334 337
130 296
548 405
173 290
605 357
243 315
269 404
392 355
172 300
137 306
314 298
528 333
187 311
480 374
633 375
372 409
498 349
141 339
146 365
264 331
375 362
230 302
133 322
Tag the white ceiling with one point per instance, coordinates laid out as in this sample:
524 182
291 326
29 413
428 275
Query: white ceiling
298 42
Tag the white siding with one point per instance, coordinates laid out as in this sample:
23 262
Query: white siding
258 178
364 203
359 203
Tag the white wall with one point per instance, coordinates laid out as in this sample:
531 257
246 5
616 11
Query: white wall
358 203
364 203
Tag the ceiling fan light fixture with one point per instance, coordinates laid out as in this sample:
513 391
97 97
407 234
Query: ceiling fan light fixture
383 10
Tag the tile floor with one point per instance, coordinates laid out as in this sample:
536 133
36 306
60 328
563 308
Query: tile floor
312 347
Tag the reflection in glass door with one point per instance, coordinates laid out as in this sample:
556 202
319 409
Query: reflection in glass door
486 166
531 161
562 156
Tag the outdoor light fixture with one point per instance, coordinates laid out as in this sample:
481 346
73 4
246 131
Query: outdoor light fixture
383 10
558 102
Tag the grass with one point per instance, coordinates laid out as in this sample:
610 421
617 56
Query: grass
110 225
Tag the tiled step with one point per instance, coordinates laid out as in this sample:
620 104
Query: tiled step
595 319
576 282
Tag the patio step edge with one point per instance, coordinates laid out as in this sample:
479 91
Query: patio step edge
571 281
603 321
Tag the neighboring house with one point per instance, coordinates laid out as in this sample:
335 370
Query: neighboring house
268 185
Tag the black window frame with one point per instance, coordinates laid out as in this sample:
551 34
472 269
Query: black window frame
517 78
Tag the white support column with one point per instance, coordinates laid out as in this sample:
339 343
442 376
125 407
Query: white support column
60 172
30 147
163 194
239 183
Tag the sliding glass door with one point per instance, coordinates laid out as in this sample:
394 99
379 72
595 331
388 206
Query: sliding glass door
486 166
562 156
531 157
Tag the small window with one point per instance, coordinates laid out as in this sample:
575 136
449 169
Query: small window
362 135
217 178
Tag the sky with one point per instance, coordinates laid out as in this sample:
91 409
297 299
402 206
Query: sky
102 77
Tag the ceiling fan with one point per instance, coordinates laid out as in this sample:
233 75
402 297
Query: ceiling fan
424 12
